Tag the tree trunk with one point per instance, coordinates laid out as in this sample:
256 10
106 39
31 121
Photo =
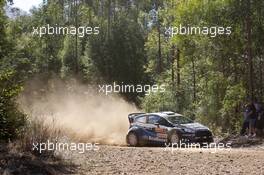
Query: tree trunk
261 77
173 55
249 50
159 68
178 68
109 19
76 38
194 80
159 50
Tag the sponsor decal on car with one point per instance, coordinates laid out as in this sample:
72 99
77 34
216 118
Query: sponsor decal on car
156 139
163 136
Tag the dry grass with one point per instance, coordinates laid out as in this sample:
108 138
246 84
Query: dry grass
18 157
39 130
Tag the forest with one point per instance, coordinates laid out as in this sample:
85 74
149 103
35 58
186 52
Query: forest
208 76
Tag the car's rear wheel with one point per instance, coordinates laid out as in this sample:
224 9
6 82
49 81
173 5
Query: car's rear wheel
132 139
174 138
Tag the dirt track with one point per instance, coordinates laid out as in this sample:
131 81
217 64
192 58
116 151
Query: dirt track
126 160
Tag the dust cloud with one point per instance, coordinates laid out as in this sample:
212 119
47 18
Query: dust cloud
79 109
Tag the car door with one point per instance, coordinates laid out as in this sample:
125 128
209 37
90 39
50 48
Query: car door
158 132
162 128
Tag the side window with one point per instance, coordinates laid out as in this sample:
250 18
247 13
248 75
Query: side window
152 119
164 122
141 119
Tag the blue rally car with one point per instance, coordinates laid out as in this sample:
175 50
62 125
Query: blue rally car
165 127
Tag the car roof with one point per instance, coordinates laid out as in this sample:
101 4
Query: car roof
166 113
163 114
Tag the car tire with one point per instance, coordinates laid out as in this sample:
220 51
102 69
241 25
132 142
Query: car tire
174 138
132 139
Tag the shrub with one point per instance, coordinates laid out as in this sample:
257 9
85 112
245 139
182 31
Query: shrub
11 119
39 130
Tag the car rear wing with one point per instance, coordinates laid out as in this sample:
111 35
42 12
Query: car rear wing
132 116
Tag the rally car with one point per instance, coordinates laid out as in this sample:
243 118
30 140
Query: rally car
165 127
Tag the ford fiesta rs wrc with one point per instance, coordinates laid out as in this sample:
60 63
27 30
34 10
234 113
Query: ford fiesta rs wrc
165 127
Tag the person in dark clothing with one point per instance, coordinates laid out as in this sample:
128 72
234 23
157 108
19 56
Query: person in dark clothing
245 125
260 118
252 120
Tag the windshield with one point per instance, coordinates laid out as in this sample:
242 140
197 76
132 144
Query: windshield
179 119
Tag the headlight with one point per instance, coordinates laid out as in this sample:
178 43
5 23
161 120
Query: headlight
188 130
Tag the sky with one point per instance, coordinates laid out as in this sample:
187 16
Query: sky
26 4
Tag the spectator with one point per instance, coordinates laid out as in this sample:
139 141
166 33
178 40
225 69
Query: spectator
260 118
252 120
245 125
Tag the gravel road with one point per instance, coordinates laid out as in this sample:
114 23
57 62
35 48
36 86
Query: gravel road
156 160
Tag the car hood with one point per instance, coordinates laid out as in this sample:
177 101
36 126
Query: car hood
194 126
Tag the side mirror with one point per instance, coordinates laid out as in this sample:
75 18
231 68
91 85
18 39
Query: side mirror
157 124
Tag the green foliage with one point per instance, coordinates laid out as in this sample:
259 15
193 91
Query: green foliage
4 45
214 71
113 53
159 101
11 119
232 103
69 65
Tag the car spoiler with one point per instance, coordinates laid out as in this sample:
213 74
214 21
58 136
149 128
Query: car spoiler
132 116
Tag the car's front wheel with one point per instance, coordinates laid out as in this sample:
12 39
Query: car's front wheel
132 139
